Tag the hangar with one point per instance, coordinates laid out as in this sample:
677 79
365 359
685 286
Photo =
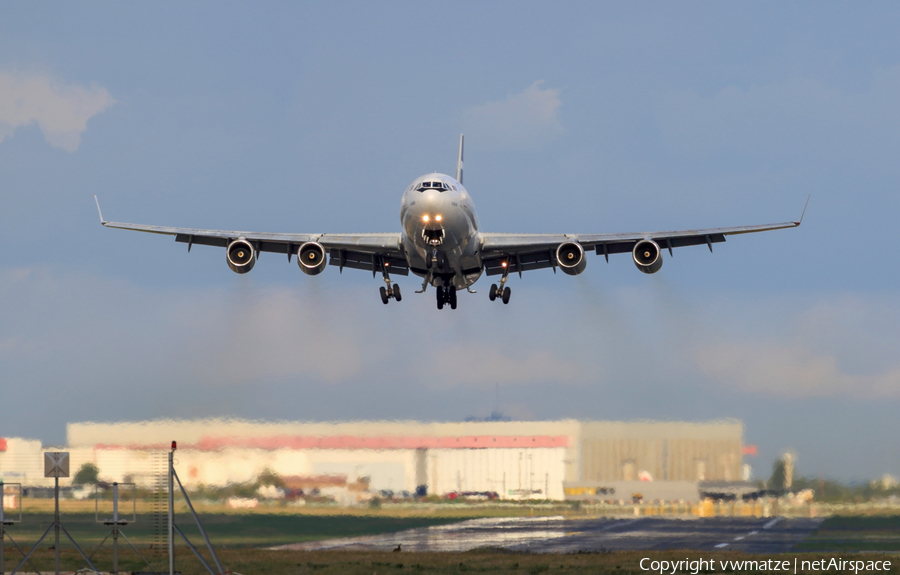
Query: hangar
566 459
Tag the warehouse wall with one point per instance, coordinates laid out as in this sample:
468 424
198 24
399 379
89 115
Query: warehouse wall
592 452
668 451
536 473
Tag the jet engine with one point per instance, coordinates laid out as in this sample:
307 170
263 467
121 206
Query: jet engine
570 258
647 256
311 258
241 256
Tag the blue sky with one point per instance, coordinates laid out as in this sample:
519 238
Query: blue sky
581 117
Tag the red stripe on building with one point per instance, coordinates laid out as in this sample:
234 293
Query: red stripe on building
213 443
2 444
136 446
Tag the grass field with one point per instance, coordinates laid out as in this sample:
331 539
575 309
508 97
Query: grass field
231 530
856 534
262 562
240 539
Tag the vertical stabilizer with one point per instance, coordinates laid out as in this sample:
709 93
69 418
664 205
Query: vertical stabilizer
459 161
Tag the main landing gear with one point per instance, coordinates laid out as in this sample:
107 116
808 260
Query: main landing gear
446 294
390 291
500 291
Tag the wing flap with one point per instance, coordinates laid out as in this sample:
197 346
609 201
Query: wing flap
201 240
623 247
518 262
344 258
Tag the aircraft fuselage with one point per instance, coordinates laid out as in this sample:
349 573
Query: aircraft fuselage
440 231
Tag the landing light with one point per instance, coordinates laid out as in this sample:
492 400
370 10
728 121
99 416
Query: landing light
503 264
437 218
425 218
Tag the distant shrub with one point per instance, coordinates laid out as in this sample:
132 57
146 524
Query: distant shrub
88 474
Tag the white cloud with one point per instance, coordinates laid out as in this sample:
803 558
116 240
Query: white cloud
214 338
841 345
94 333
791 371
270 334
60 110
524 120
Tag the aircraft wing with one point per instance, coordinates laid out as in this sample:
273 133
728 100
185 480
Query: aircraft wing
524 252
357 251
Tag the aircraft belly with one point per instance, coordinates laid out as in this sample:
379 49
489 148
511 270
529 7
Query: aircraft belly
462 261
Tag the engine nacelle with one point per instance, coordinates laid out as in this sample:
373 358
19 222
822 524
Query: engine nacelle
647 256
570 258
311 258
241 256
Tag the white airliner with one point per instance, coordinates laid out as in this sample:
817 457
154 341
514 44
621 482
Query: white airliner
441 241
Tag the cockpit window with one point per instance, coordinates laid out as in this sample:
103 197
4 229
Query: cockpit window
439 186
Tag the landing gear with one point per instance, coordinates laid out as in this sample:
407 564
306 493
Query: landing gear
387 291
437 266
500 291
446 295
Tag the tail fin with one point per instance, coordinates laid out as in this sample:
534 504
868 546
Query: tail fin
459 161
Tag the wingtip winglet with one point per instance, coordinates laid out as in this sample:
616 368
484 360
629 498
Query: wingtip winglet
800 221
96 201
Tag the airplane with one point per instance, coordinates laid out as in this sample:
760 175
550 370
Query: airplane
441 241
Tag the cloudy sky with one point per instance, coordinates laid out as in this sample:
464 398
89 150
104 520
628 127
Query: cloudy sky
581 117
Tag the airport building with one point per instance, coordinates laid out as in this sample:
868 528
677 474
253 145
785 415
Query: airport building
555 460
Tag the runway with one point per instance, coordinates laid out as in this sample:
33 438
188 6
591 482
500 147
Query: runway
562 535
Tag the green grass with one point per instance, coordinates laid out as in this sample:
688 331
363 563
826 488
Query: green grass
240 540
232 530
233 536
854 534
262 562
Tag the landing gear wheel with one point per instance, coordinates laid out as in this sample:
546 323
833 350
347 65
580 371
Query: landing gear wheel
493 293
451 291
440 297
506 294
397 292
384 295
